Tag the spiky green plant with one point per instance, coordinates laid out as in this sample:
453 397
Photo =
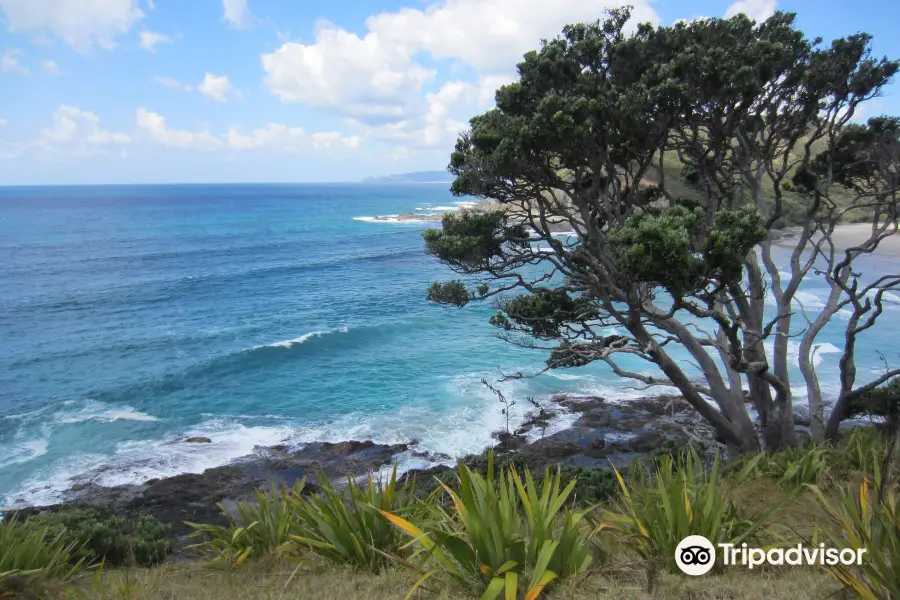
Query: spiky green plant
867 518
29 553
658 510
794 467
347 526
501 528
259 529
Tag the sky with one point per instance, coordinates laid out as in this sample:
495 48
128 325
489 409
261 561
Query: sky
190 91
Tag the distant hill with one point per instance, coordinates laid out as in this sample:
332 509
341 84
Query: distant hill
417 177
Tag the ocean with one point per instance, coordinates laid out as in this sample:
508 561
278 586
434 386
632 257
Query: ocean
134 316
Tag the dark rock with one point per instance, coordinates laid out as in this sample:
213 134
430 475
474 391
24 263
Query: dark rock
644 442
198 440
596 448
508 441
552 447
345 448
432 456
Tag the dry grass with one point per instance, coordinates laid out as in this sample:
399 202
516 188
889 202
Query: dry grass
323 582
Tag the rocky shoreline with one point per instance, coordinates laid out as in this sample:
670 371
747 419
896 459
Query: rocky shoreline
618 432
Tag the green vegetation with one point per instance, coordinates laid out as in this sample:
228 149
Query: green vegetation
679 499
258 528
348 527
31 555
501 529
494 531
103 536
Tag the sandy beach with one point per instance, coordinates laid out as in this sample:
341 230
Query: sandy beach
848 235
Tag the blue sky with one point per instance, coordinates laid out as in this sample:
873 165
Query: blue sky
141 91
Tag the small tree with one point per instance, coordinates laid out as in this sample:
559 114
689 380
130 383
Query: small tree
755 120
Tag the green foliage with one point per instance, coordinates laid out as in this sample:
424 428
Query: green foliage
543 314
659 248
665 248
103 536
348 527
502 528
451 292
883 401
798 466
867 518
30 554
679 499
471 239
259 529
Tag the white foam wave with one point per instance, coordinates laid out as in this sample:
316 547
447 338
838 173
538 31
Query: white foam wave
303 338
437 208
808 300
24 452
819 351
98 411
392 219
564 234
138 461
567 376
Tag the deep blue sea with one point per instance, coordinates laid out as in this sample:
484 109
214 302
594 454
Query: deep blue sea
133 316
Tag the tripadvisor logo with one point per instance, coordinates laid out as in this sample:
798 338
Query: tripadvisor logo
696 555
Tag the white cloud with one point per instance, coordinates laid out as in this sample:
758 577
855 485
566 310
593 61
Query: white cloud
9 63
151 5
236 13
274 137
174 83
73 125
51 67
758 10
217 87
274 134
79 24
490 35
2 122
364 77
325 140
155 125
445 117
374 77
149 40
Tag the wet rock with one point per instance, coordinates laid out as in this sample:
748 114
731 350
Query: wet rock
198 440
345 448
644 442
552 447
508 441
596 448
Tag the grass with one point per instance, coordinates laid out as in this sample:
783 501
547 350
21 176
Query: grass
320 580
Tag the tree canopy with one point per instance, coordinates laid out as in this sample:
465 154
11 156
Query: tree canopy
671 154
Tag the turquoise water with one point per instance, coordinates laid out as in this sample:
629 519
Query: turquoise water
131 316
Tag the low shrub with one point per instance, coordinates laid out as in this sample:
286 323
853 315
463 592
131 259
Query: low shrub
103 536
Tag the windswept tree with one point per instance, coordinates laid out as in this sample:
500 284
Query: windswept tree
673 153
